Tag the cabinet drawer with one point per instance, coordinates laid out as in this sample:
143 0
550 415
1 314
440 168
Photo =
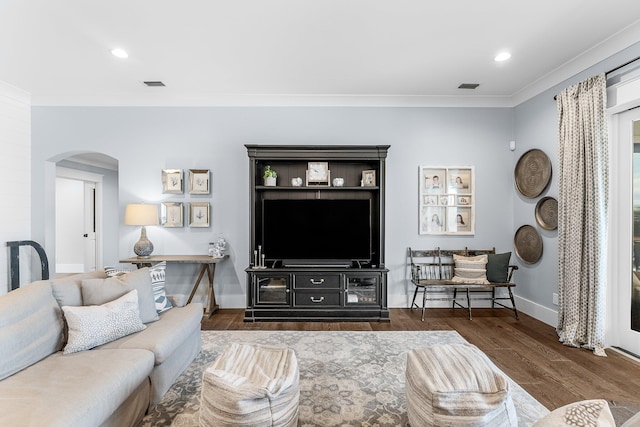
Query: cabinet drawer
317 281
316 299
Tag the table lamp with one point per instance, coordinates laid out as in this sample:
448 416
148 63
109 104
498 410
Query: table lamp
142 214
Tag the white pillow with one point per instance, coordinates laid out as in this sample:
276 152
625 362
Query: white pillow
157 274
93 325
472 270
594 413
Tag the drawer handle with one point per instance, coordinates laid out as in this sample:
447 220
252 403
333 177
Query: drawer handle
316 300
316 282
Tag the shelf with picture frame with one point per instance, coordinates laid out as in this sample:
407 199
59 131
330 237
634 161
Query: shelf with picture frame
447 200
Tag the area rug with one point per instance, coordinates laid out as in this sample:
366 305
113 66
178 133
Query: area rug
347 378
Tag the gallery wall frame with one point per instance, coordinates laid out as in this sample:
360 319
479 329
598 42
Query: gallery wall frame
171 214
199 181
199 214
172 181
446 200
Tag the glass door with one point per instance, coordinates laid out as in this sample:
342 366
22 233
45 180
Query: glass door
624 234
272 289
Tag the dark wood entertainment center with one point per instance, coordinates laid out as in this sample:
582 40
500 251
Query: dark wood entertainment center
329 288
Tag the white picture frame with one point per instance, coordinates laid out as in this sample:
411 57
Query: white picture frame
446 200
171 214
199 181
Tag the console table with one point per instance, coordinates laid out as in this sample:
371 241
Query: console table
208 265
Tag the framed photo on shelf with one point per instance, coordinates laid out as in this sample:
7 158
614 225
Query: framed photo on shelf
369 178
171 214
199 181
447 200
172 181
199 214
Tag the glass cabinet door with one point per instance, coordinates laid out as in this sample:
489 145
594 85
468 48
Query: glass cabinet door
272 290
362 290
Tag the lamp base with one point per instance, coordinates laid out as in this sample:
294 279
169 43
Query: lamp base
143 247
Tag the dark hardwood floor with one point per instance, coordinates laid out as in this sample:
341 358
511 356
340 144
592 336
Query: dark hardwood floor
527 350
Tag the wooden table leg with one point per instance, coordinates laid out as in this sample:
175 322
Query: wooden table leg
212 304
195 286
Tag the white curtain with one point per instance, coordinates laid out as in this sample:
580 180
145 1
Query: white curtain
582 214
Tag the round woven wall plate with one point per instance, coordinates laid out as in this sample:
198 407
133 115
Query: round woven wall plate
547 213
528 244
533 173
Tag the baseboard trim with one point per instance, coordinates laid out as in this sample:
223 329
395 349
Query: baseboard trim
533 309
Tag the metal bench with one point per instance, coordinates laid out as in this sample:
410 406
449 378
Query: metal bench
432 271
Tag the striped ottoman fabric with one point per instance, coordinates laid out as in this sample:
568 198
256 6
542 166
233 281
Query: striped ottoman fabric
456 385
251 385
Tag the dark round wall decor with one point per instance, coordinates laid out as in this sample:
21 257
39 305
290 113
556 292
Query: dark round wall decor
533 173
528 244
547 213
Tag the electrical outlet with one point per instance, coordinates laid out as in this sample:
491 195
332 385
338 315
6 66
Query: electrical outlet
555 298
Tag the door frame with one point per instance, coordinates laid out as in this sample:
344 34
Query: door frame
97 179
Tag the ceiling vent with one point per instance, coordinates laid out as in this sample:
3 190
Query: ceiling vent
154 83
468 85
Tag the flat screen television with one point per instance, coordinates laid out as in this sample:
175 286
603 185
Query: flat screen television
316 229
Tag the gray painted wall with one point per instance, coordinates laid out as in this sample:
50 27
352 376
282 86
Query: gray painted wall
147 140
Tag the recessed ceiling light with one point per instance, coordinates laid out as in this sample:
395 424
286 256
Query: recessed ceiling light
502 56
120 53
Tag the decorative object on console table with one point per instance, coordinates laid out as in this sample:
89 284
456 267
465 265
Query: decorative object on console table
199 214
172 181
269 176
171 214
208 267
199 181
142 214
318 173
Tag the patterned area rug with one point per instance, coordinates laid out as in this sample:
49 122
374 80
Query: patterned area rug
346 378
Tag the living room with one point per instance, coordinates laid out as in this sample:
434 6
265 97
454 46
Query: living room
148 137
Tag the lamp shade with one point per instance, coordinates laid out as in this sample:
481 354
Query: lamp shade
141 214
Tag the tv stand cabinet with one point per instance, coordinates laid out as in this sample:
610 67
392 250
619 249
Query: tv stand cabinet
311 292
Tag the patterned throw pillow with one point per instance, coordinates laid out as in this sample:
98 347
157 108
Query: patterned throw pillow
471 270
157 273
94 325
591 413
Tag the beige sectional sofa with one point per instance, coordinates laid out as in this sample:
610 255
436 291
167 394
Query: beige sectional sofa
113 384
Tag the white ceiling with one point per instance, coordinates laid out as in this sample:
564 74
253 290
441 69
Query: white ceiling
304 52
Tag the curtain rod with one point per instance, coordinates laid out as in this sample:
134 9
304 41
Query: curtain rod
555 97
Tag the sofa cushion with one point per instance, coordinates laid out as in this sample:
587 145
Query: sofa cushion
68 289
31 327
157 274
93 325
80 389
163 337
100 291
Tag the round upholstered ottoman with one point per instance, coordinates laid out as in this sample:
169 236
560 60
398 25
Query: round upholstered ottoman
456 385
251 385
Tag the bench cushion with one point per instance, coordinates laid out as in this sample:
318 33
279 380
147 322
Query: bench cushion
498 267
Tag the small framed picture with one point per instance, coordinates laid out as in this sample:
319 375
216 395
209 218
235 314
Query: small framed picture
369 178
199 214
199 181
432 180
172 181
171 214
